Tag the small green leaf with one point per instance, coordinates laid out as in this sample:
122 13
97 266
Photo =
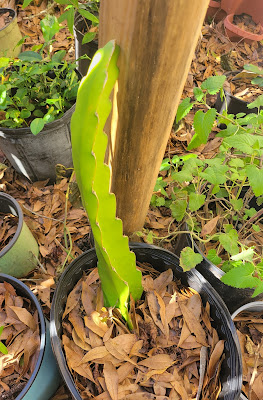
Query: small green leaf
256 228
4 61
37 125
215 174
26 3
213 257
30 56
245 255
229 241
49 26
213 84
178 208
189 259
25 114
165 166
237 204
196 201
184 107
68 15
160 201
256 103
255 178
58 56
253 68
88 15
241 276
88 37
198 93
203 123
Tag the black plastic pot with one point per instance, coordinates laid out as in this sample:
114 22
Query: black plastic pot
46 378
233 297
231 372
36 157
88 49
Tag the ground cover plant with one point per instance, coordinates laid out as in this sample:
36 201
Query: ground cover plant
219 199
38 87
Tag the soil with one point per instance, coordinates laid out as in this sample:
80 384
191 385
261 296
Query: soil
5 19
245 22
21 337
8 227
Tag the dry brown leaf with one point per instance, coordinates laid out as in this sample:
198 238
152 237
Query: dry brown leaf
160 362
25 317
111 380
209 226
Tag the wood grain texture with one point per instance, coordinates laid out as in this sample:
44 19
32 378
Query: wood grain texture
157 39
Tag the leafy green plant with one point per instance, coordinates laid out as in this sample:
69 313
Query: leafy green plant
36 88
3 348
218 201
88 10
116 263
258 79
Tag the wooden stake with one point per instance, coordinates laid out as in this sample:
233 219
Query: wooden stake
157 40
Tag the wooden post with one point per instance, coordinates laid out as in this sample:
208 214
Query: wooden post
157 39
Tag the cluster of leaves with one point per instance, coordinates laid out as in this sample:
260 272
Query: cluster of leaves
36 89
258 80
88 10
214 196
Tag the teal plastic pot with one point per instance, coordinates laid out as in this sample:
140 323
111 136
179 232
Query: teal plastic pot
45 379
19 256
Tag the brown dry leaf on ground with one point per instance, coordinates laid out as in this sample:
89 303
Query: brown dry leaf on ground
43 206
161 354
250 333
21 337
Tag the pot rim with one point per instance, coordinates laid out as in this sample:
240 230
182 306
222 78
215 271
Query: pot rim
228 23
29 294
10 10
253 306
11 201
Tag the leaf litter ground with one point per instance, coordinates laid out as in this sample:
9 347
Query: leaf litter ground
215 54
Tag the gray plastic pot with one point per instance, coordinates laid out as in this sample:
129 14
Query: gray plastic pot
161 260
10 35
36 157
255 306
19 256
45 379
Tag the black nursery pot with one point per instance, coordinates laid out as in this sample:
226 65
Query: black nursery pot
88 49
232 297
161 260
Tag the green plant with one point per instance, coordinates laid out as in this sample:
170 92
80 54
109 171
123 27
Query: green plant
3 348
116 263
258 79
37 88
218 200
88 10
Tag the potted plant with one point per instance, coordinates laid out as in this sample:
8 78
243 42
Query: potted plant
19 249
38 94
219 199
252 7
248 322
10 34
237 28
28 367
120 279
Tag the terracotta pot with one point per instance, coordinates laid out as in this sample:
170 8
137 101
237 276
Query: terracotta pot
250 7
235 33
215 11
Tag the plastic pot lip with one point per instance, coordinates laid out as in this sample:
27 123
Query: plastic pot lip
12 12
253 306
29 294
228 23
168 257
12 202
